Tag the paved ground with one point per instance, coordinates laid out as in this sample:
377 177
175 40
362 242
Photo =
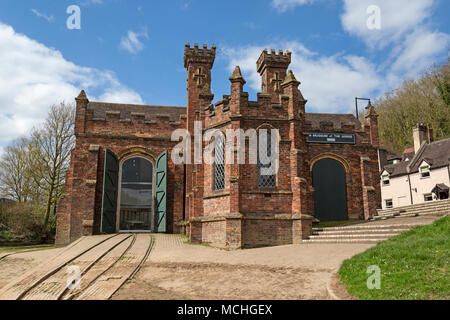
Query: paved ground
15 265
177 270
104 262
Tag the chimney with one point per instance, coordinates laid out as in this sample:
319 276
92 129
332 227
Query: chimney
421 134
430 134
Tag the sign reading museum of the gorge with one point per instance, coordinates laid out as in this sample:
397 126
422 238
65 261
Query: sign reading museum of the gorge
342 138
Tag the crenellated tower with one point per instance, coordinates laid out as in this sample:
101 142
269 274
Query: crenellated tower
198 63
273 67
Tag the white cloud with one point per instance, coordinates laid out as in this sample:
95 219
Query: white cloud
284 5
132 41
398 17
419 51
43 15
33 77
405 33
329 83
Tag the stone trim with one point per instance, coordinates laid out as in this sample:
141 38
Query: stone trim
267 191
88 223
91 183
217 195
333 156
125 136
251 216
94 148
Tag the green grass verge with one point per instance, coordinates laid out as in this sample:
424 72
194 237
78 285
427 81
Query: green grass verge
26 248
414 266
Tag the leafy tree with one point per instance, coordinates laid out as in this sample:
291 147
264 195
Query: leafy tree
52 144
15 171
425 99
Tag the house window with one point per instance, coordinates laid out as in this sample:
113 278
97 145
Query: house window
385 179
388 203
219 163
425 172
266 169
428 197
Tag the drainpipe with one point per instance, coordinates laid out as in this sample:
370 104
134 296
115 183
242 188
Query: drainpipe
410 190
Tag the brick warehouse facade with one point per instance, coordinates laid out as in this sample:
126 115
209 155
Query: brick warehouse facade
242 213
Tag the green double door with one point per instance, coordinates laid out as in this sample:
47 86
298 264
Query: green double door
137 199
330 190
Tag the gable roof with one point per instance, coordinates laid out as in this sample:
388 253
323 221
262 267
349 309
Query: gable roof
436 154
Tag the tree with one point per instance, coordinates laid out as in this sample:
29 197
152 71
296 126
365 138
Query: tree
425 99
15 171
52 144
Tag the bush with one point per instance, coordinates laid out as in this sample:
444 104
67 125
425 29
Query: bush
5 234
21 221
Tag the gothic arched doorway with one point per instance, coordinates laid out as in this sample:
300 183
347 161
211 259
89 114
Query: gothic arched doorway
330 190
136 195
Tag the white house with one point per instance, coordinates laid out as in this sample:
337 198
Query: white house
420 176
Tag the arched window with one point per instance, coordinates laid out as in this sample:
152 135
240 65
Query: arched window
219 163
266 168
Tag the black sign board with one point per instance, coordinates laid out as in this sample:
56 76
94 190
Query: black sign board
339 138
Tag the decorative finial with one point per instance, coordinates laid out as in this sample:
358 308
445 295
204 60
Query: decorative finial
237 76
290 78
82 95
371 112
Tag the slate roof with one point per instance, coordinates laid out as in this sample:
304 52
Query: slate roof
408 153
336 118
150 112
385 156
436 154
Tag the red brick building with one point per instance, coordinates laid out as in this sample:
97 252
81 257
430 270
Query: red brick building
122 177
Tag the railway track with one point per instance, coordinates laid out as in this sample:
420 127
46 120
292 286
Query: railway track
102 263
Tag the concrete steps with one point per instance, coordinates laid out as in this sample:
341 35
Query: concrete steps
360 233
357 241
438 208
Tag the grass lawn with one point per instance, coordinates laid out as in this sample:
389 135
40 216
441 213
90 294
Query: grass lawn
414 266
26 248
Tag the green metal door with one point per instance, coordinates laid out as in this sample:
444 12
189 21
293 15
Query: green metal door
161 193
330 190
110 188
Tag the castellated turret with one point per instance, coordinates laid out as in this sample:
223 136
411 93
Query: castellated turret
273 67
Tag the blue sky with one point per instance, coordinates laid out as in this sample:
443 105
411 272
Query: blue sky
131 51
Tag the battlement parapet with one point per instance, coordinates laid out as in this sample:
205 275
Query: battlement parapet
197 55
273 60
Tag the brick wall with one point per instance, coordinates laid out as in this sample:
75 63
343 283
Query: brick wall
243 214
